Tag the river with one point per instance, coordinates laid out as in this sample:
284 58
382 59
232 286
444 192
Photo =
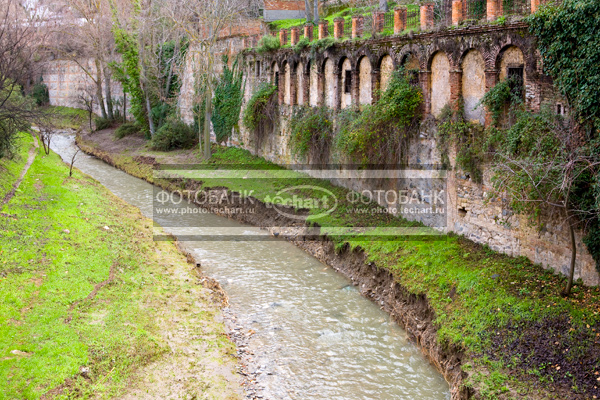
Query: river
313 336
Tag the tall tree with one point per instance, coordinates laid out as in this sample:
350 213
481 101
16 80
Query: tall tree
203 22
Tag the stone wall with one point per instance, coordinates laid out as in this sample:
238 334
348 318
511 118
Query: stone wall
450 65
67 82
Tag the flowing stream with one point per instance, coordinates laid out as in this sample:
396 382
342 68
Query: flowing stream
313 335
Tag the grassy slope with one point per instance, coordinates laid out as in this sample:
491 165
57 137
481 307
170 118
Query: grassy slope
11 169
483 300
53 252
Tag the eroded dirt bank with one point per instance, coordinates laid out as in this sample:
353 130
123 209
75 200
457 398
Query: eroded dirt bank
411 311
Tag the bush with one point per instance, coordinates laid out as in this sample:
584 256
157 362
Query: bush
127 129
379 134
174 134
268 43
311 133
103 123
302 44
40 94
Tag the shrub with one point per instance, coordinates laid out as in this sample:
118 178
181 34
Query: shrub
302 44
261 111
268 43
103 123
468 138
379 134
40 94
311 133
127 129
174 134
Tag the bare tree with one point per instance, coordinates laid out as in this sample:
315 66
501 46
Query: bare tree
86 98
73 161
547 174
204 22
20 41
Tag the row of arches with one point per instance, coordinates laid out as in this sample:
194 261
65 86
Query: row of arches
339 80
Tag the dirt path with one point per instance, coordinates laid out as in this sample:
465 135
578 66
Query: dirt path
32 154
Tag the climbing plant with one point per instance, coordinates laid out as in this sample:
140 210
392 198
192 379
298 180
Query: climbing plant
311 133
379 133
227 101
467 138
261 111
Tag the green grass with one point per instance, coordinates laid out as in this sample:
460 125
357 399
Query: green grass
474 291
68 117
477 294
54 249
10 169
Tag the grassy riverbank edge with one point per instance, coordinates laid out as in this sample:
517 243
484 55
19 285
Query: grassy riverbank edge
488 307
92 306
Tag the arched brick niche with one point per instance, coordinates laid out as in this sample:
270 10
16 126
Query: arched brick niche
473 86
330 86
365 90
346 84
386 68
314 84
440 82
300 83
287 83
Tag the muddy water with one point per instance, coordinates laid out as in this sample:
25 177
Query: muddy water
312 335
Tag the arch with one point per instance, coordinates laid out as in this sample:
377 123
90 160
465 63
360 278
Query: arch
287 83
300 83
329 80
473 85
386 68
346 89
509 57
410 61
440 82
275 74
365 90
313 84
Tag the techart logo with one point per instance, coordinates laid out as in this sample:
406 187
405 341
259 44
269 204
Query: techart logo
289 199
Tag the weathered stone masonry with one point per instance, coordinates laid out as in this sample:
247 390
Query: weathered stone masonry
452 64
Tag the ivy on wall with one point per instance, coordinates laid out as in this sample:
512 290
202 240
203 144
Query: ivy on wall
311 133
227 101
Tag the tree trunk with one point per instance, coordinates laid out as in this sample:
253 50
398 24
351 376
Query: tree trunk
108 92
124 106
99 89
383 6
307 10
149 111
316 12
567 290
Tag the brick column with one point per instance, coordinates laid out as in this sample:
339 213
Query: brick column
535 4
337 96
427 16
320 88
283 37
323 32
375 80
378 21
338 28
293 83
457 12
281 87
358 22
308 31
455 88
295 34
491 78
399 19
425 82
306 86
494 9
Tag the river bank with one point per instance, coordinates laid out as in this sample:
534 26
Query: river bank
92 306
465 302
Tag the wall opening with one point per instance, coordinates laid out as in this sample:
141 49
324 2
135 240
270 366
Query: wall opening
258 69
515 74
348 81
